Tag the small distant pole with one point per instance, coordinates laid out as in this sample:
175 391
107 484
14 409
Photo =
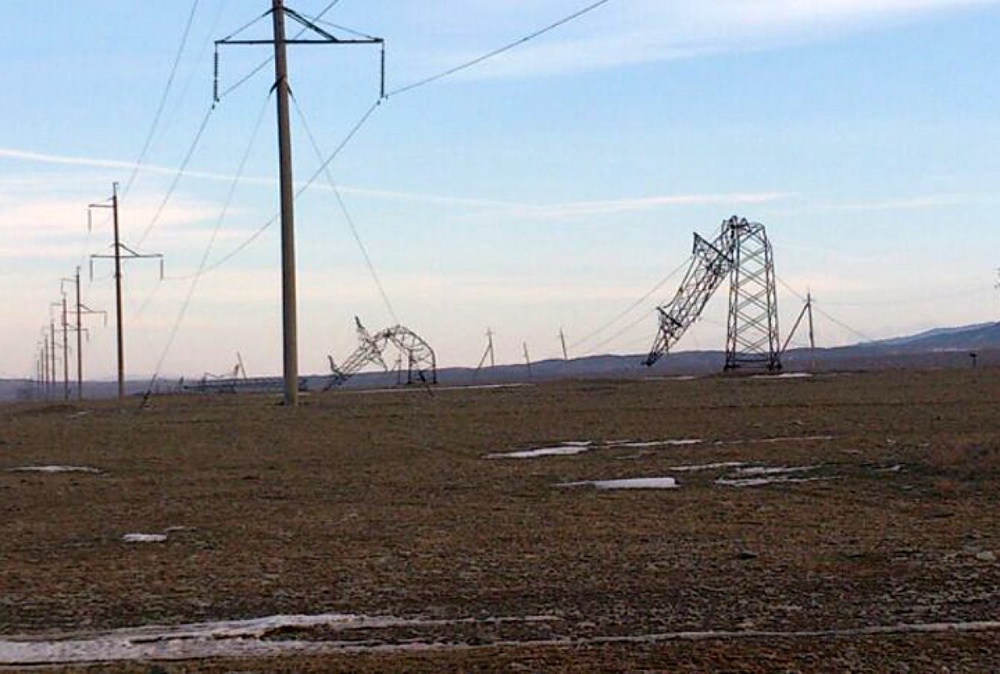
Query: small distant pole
52 354
488 353
45 365
527 358
974 356
65 330
562 340
79 339
81 310
812 334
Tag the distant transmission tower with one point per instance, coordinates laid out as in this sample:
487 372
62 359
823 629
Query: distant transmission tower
741 251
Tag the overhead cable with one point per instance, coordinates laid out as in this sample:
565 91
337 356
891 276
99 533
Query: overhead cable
496 52
632 307
163 99
347 214
211 242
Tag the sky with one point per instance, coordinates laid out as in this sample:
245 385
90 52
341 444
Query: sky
549 188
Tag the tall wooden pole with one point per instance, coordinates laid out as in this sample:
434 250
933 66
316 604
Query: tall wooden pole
288 303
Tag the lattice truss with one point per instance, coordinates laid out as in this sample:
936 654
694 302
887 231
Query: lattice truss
418 356
741 251
752 329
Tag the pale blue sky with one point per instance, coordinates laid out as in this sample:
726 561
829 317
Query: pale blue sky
547 188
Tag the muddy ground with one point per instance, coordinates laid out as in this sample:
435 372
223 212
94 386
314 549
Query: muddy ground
878 553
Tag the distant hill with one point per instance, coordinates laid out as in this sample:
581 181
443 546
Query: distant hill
982 335
936 348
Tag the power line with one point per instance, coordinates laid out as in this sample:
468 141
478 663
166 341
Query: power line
178 175
211 242
496 52
371 110
274 218
163 99
826 315
632 307
347 215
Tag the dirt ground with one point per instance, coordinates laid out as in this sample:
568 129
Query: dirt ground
859 531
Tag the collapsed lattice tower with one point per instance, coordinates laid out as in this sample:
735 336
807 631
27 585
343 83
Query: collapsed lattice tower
742 252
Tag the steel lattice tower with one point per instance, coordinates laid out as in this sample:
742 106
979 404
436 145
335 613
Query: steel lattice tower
752 332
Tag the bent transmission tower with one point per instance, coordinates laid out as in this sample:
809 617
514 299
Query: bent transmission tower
421 363
741 251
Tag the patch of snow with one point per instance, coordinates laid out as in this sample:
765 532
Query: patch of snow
228 639
656 443
763 481
708 466
53 469
565 449
481 387
629 483
144 538
786 375
247 638
800 438
777 470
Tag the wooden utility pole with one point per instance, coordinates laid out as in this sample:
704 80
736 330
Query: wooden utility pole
812 334
45 365
52 353
117 256
79 340
81 310
288 301
290 360
65 330
562 340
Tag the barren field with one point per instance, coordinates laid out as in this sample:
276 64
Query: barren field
842 522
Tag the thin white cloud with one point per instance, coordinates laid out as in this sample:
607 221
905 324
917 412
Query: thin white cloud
632 32
540 211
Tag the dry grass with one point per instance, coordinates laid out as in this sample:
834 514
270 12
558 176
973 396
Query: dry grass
383 504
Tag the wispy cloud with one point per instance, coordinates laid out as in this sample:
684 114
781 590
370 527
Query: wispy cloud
564 210
644 31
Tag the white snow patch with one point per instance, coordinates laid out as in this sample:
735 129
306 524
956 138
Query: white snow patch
481 387
53 469
708 466
776 470
565 449
799 438
763 481
232 638
656 443
629 483
144 538
246 638
786 375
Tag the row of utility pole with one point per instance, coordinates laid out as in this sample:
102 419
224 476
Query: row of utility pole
279 42
46 367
